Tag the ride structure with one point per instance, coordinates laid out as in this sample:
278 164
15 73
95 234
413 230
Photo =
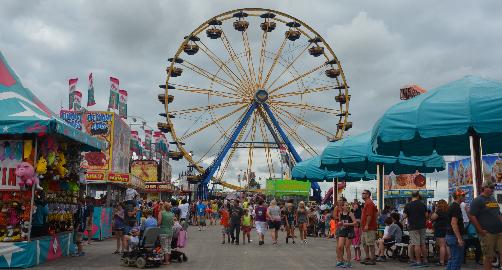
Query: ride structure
248 102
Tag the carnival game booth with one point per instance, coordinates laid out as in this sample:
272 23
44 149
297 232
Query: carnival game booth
39 171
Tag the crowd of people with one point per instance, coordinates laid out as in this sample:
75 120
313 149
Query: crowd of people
359 228
362 232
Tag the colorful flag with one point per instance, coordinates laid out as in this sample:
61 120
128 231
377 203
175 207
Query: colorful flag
77 100
135 142
90 92
113 102
123 103
72 83
148 139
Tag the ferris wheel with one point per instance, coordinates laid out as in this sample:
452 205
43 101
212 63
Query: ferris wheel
252 90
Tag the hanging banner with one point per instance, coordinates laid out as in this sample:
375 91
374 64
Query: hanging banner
123 103
77 101
148 139
73 118
11 154
113 102
121 152
72 86
134 144
165 170
90 92
145 170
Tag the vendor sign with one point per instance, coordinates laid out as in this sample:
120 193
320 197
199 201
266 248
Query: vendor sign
99 124
73 118
287 187
404 181
145 170
158 187
118 177
95 176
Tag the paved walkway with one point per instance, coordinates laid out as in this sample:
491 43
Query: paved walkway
205 251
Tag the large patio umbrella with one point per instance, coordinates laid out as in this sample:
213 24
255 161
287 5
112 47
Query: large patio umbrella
453 119
311 170
354 154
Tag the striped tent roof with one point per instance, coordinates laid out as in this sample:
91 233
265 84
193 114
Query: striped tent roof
23 113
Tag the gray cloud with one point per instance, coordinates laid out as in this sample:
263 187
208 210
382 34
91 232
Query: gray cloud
382 46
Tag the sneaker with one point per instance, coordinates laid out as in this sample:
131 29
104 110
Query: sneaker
381 259
348 265
370 263
340 264
414 264
421 265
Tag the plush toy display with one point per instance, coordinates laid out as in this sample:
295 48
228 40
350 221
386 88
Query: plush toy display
25 229
60 166
41 166
26 174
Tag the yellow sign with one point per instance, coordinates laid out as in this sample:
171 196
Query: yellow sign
145 170
118 177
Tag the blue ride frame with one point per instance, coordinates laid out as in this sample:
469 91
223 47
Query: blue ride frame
202 189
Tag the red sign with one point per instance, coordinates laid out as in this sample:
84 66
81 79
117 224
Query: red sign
118 177
95 176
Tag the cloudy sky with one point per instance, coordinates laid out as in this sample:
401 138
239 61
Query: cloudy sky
382 45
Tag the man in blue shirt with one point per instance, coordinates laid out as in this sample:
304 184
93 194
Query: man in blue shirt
201 214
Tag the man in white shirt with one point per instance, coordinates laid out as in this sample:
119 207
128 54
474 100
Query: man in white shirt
184 207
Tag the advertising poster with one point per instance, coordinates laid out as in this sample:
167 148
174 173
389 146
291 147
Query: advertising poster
11 154
405 181
460 174
73 118
166 171
100 125
121 148
145 170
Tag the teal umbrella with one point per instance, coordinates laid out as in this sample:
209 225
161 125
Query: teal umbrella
354 154
453 119
311 170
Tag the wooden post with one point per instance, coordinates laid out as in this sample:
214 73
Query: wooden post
335 191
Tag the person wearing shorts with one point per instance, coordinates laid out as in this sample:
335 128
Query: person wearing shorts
261 221
346 224
274 217
246 227
369 227
416 214
486 217
166 222
225 223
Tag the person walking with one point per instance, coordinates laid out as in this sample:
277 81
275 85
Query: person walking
485 216
302 220
225 223
416 214
274 217
184 208
369 228
166 221
346 224
440 223
246 226
236 213
261 221
455 231
118 227
201 214
289 215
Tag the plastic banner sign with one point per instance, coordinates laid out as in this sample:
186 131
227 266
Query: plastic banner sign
73 118
118 177
11 154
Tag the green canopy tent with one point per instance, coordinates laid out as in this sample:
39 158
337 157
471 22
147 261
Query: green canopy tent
22 113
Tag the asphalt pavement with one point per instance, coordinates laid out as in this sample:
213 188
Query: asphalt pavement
205 251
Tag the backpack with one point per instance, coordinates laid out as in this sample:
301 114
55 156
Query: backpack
182 238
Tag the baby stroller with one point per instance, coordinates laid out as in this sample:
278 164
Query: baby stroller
178 242
147 253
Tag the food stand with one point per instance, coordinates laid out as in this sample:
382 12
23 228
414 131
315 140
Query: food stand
39 157
398 189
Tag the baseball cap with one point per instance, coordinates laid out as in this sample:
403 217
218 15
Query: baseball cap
488 184
459 192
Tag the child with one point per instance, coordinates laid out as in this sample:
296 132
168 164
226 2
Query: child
133 239
246 226
332 227
322 224
356 241
225 223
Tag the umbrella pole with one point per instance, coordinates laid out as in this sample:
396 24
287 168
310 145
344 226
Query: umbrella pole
380 187
476 162
335 191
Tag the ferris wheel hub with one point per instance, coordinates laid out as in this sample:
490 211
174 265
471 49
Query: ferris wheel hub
261 96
